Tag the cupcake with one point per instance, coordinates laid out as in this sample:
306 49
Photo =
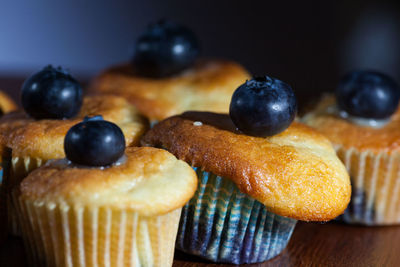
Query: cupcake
362 120
53 102
6 105
165 77
258 174
102 206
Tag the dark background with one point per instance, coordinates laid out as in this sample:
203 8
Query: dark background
308 44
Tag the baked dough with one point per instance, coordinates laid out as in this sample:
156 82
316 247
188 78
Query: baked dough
208 86
351 135
44 139
6 103
295 173
149 181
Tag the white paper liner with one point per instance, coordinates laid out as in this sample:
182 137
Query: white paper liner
73 235
375 179
20 168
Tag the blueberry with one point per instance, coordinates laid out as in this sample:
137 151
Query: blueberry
263 106
368 94
166 48
94 142
51 94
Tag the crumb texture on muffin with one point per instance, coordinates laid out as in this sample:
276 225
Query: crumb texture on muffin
45 138
208 86
295 173
151 182
350 135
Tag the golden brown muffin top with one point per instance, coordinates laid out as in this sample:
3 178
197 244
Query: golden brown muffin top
6 103
207 86
347 134
295 173
44 139
150 181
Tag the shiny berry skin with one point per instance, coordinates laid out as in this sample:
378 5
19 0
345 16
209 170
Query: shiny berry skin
368 94
94 142
164 49
263 106
51 94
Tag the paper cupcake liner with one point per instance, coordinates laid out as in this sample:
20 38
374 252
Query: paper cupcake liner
222 224
5 167
20 167
375 180
3 215
73 235
152 123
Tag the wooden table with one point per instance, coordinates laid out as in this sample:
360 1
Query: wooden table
331 244
312 244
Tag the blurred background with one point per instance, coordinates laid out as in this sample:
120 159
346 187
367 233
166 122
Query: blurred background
308 44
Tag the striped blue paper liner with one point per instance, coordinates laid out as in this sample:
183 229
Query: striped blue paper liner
3 212
221 224
5 162
152 123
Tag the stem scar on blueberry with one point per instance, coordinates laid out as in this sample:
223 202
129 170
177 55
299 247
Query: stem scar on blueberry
94 142
263 106
51 93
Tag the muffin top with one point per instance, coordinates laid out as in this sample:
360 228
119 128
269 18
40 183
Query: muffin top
207 86
149 181
6 103
343 132
295 173
44 138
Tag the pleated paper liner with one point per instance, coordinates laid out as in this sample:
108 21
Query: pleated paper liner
73 235
5 168
20 167
222 224
3 215
375 179
153 123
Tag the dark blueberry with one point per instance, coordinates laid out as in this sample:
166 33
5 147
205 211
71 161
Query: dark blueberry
164 49
368 94
94 142
51 94
263 106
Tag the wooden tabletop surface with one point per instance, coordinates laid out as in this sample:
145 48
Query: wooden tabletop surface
331 244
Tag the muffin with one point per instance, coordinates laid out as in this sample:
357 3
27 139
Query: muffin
252 188
362 121
6 105
33 140
125 213
166 78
